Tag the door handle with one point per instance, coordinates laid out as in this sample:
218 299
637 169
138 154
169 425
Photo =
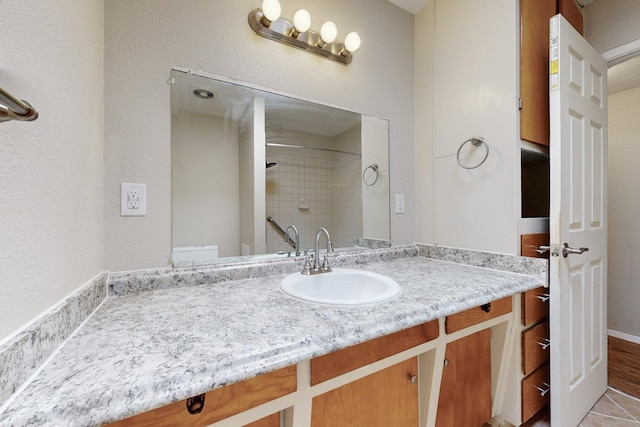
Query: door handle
566 250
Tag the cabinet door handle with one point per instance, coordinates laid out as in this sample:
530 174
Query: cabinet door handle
543 297
195 404
544 390
413 378
545 343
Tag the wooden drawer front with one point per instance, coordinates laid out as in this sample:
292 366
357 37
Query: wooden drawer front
220 403
535 347
530 242
535 306
342 361
534 399
477 315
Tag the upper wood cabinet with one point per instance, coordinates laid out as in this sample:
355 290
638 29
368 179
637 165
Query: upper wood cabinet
534 63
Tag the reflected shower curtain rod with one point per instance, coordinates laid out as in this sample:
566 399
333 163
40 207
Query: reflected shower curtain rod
273 144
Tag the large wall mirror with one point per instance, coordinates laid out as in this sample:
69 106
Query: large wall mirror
247 163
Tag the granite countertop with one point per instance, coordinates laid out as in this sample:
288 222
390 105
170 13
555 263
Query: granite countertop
141 351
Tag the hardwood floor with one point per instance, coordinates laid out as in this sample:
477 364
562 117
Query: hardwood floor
624 366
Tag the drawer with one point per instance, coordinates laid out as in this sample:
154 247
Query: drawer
342 361
220 403
477 315
535 347
529 243
535 306
535 392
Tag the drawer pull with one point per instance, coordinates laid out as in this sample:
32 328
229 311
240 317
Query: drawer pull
195 404
545 343
544 391
543 297
486 307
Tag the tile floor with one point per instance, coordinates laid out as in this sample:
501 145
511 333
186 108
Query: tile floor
614 409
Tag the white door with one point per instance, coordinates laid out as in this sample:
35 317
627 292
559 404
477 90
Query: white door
578 218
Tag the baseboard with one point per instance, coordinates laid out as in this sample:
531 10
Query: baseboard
621 335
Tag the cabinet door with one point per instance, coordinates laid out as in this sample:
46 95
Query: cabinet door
385 398
570 10
465 390
534 65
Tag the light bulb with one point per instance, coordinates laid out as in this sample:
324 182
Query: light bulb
302 21
352 42
271 9
328 32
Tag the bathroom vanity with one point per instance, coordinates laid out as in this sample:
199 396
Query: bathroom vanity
226 346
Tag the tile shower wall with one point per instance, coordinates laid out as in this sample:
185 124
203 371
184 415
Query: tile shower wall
312 190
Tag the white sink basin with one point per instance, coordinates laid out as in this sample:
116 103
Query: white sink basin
341 287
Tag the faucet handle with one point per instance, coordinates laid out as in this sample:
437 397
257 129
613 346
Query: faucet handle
325 264
306 270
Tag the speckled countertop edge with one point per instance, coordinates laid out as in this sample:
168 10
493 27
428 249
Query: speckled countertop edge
151 348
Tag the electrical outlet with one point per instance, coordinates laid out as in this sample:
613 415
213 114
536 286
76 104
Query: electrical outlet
133 199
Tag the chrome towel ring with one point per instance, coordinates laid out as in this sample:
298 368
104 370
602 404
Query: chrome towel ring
374 168
476 141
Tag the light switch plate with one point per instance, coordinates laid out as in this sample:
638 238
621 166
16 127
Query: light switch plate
399 203
133 199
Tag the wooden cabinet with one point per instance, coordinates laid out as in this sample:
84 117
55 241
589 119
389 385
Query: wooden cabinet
477 315
534 63
535 392
535 344
465 390
342 361
385 398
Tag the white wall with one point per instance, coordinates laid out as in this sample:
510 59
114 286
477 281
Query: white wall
375 195
51 168
145 38
205 190
624 204
475 94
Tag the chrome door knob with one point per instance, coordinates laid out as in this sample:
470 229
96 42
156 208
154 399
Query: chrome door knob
566 250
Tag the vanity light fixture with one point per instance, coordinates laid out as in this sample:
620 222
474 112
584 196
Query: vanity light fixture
266 22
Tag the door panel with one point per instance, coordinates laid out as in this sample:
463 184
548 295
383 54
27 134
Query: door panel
577 217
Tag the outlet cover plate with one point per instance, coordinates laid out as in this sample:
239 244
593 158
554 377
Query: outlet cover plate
133 199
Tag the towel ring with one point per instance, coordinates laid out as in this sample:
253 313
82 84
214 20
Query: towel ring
374 168
475 141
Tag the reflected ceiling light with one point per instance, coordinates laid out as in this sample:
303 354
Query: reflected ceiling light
266 22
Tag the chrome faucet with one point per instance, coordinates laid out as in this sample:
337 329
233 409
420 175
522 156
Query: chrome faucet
297 237
317 268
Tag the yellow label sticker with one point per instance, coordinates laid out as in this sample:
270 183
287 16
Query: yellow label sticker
554 67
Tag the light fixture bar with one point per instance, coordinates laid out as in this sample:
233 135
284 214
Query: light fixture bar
309 40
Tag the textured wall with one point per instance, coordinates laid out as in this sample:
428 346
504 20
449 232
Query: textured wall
611 23
474 95
624 230
50 169
145 38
